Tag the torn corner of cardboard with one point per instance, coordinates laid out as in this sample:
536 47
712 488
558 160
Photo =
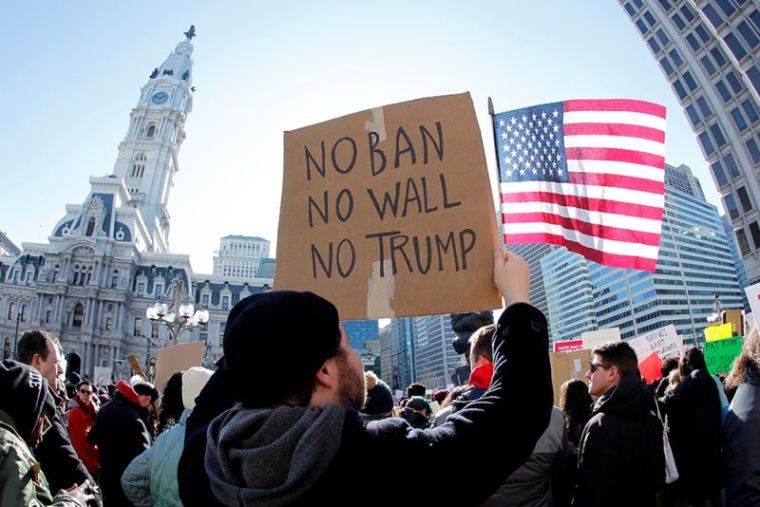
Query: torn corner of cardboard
376 123
380 291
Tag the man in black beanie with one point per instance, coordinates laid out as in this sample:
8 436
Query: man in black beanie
26 410
297 436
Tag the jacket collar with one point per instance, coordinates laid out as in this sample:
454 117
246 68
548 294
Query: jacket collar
126 390
481 376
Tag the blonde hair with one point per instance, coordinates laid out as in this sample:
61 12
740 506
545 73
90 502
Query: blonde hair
749 358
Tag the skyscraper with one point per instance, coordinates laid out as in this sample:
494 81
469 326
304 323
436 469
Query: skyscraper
435 358
694 264
709 51
240 256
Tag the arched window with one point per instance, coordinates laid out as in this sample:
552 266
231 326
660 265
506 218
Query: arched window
56 270
91 226
78 313
76 274
151 131
89 275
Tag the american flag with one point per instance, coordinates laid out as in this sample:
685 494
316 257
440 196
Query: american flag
585 174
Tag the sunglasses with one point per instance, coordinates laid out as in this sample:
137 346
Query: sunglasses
85 391
592 366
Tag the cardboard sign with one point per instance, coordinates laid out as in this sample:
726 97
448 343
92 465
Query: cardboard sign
651 367
568 366
734 317
719 332
177 358
720 355
568 345
102 375
388 212
665 341
593 339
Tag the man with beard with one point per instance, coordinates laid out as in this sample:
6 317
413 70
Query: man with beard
297 436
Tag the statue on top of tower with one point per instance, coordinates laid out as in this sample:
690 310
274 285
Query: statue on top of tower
190 33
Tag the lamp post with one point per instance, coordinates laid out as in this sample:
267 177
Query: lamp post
180 314
19 314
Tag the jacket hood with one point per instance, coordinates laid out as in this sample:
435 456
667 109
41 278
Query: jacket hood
271 456
24 396
629 397
481 376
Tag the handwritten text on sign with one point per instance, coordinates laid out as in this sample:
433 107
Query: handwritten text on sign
380 205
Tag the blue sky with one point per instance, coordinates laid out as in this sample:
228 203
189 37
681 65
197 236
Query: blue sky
72 72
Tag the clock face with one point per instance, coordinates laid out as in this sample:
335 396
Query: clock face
160 97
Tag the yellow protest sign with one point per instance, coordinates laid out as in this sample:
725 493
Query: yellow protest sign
721 332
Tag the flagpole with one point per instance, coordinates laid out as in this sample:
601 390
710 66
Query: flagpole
502 240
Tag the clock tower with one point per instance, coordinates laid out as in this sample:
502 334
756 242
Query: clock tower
147 159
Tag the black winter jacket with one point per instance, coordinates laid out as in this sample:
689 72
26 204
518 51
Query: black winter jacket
621 460
59 460
505 422
120 434
696 434
742 430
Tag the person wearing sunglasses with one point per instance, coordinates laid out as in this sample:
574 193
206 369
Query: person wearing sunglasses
80 421
621 460
26 412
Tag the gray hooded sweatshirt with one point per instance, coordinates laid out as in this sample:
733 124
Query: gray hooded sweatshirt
244 457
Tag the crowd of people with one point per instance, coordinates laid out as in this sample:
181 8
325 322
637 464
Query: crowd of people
289 417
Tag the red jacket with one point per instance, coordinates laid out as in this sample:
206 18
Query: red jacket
81 420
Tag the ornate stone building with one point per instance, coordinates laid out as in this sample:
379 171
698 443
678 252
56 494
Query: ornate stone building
107 260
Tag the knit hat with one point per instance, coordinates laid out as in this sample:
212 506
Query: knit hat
193 381
275 342
25 396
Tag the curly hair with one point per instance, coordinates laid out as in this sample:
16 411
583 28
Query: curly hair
171 403
748 359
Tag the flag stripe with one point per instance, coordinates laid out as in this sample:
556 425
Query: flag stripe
619 142
635 197
615 129
615 180
612 219
619 261
611 167
591 229
591 204
636 157
644 120
638 106
608 245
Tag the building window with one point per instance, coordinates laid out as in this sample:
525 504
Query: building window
23 313
715 18
744 200
204 300
754 152
141 288
660 35
730 161
650 19
138 327
11 311
689 80
729 203
653 45
717 55
676 57
109 323
723 91
154 331
629 9
726 6
754 77
749 108
707 145
222 327
115 279
151 131
707 64
76 274
718 174
666 66
666 5
48 316
733 81
755 231
225 302
717 134
56 270
78 313
704 107
741 125
735 46
678 21
741 240
687 13
159 290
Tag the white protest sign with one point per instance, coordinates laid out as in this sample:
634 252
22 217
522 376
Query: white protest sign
753 296
593 339
102 376
665 341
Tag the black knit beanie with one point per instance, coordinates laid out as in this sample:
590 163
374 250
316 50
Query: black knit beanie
24 396
275 342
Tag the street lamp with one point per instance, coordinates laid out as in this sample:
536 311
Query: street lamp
181 314
19 313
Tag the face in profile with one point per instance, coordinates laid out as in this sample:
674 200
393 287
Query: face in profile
352 389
